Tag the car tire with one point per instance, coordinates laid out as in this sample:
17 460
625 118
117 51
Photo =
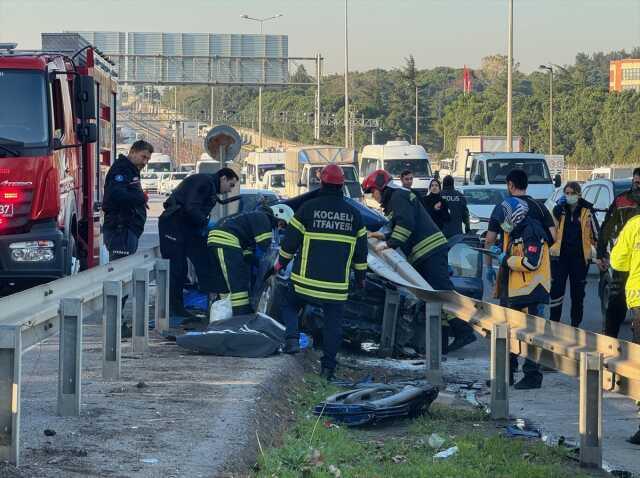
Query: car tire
605 293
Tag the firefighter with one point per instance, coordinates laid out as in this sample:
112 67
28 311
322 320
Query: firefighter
415 233
236 237
524 280
458 209
571 253
625 258
125 203
183 231
625 206
328 239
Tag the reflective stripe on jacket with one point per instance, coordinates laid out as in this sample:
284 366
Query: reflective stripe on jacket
242 231
625 257
328 239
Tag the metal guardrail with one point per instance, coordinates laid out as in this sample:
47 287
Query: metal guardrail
600 362
34 315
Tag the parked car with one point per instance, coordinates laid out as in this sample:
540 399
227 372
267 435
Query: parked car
481 200
551 202
601 193
169 181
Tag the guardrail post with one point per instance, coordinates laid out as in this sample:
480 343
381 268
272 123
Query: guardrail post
590 409
433 342
111 328
70 366
140 289
10 373
389 321
499 372
162 295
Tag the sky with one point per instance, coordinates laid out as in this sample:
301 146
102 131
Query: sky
381 32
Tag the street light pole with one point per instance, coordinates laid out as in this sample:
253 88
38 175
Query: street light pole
346 73
550 70
510 77
417 120
261 21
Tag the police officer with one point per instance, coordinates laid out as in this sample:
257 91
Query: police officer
525 272
235 238
183 231
327 238
125 203
625 206
415 233
458 210
571 253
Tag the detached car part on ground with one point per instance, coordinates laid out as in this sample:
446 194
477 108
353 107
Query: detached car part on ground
364 310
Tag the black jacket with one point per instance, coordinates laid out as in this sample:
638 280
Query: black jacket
193 200
458 210
124 204
329 238
440 216
244 231
623 208
412 229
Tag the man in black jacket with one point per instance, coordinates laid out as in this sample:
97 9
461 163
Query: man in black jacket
125 203
183 230
458 210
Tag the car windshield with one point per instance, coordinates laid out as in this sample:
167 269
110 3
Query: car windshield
179 175
464 261
263 168
620 187
158 167
419 167
24 117
277 181
536 170
485 197
350 174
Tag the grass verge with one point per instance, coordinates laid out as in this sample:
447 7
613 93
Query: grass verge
313 448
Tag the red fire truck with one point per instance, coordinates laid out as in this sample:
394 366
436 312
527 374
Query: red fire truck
57 136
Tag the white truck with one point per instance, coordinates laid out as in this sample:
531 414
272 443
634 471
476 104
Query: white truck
158 164
261 161
274 180
396 157
612 172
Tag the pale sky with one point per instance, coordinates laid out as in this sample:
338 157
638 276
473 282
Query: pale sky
381 32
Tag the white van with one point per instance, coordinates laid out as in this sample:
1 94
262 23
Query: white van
274 181
396 157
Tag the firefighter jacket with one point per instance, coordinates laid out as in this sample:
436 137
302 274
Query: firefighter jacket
623 208
525 273
412 229
329 238
625 257
243 231
588 228
124 204
193 200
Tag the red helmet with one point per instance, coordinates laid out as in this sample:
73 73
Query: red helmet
332 174
376 180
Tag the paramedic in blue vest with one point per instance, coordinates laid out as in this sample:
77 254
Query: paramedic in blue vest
524 279
415 233
572 251
325 239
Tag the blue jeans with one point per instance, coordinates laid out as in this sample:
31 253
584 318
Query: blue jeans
333 313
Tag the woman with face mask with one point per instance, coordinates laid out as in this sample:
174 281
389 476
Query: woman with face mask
573 250
436 205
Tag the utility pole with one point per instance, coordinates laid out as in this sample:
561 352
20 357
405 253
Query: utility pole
417 120
260 116
316 126
550 70
510 78
211 109
346 74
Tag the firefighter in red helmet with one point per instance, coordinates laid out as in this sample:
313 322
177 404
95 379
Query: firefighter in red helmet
325 239
419 238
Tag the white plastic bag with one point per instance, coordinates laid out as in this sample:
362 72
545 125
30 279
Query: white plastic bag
220 310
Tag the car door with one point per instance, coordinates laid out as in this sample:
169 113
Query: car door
591 194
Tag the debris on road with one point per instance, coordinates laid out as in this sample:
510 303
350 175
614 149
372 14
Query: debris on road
435 441
449 452
48 432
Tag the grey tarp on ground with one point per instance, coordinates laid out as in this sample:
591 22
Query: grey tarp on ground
252 336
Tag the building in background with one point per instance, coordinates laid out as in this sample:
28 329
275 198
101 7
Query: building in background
624 75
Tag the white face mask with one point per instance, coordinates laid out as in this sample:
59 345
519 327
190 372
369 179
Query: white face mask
507 227
572 199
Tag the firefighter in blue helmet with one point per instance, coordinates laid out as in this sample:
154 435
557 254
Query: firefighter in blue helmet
524 278
234 239
415 233
328 239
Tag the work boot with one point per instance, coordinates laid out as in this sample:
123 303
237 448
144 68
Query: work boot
327 373
292 346
635 438
460 342
529 382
